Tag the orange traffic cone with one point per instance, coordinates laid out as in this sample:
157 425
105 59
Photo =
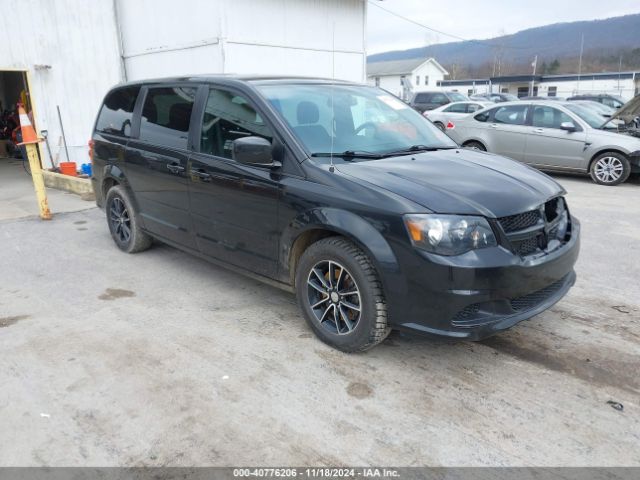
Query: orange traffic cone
28 132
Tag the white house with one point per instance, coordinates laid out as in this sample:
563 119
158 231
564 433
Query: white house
68 53
404 77
623 84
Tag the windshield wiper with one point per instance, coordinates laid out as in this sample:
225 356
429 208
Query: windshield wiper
418 148
348 154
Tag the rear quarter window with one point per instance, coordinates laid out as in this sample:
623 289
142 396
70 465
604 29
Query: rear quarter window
484 116
166 116
117 111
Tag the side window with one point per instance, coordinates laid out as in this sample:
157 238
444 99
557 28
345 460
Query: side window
426 80
511 115
166 115
439 99
457 108
484 116
422 97
549 117
473 107
227 117
116 113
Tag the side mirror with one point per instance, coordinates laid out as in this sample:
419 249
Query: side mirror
253 151
568 127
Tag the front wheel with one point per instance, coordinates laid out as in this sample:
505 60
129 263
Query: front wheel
610 168
341 296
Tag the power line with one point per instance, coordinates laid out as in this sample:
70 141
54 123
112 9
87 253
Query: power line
480 42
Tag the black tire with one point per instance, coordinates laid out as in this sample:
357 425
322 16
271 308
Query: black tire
355 272
440 126
610 168
475 146
123 222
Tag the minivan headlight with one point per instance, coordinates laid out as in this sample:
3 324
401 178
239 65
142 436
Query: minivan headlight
449 234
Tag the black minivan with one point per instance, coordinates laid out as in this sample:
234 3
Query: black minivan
340 193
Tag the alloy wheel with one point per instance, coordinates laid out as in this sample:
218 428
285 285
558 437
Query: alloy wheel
120 220
608 169
334 297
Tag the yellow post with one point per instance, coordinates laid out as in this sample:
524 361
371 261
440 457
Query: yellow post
38 181
30 140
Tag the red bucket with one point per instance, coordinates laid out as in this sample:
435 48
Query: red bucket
68 168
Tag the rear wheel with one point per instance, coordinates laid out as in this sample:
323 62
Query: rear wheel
123 222
610 168
341 296
473 145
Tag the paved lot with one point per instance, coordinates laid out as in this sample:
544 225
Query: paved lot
18 200
162 359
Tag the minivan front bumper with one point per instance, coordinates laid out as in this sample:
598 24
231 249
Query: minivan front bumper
483 292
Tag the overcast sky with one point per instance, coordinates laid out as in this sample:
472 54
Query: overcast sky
473 19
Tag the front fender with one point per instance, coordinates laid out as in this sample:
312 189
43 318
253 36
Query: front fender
357 229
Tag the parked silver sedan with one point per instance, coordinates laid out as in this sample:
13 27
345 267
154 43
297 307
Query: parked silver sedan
561 136
446 116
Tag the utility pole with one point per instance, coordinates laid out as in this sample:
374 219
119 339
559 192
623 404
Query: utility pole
534 65
580 61
619 73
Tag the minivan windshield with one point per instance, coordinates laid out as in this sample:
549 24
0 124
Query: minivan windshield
358 121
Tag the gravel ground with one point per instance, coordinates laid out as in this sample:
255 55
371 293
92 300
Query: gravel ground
162 359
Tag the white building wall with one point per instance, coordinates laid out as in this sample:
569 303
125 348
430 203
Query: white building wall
625 87
79 42
427 70
391 83
290 37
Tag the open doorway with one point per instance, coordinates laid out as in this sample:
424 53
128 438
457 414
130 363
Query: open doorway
14 90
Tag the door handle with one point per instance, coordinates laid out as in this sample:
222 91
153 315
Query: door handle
538 130
175 168
201 174
493 125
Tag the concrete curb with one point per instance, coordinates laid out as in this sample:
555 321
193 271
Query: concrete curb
79 186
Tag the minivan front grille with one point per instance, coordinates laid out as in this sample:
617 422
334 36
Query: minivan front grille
521 221
527 246
478 314
526 231
532 300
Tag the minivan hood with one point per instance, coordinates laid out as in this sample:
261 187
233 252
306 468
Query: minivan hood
629 111
459 182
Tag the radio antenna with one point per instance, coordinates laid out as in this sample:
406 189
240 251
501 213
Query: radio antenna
333 81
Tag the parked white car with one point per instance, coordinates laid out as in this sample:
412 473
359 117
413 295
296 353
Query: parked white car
445 117
561 136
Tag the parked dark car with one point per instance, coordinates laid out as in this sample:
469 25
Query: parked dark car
423 101
612 101
337 192
494 97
